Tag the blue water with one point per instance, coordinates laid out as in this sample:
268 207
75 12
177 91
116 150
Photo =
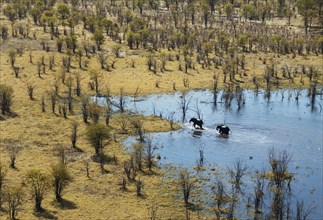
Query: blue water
260 124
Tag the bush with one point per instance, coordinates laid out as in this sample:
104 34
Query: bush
6 98
96 135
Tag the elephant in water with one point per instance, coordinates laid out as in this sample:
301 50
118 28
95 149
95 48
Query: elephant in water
223 129
198 122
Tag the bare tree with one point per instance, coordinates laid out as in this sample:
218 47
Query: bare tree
258 192
303 212
102 58
85 109
149 152
30 88
184 105
13 148
123 121
3 173
121 102
139 186
43 105
236 174
138 155
197 110
13 198
74 133
220 199
200 160
78 83
95 77
137 122
187 184
153 211
279 162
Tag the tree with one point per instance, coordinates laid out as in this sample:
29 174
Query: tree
96 135
116 50
13 147
98 38
12 57
63 11
74 133
40 184
187 184
149 152
6 98
95 76
228 8
141 4
248 11
102 58
13 198
3 173
306 9
49 18
35 12
205 8
71 42
184 105
220 199
60 179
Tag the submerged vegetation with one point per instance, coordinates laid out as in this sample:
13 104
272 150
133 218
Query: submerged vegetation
61 153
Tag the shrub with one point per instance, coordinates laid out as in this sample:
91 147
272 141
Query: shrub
6 98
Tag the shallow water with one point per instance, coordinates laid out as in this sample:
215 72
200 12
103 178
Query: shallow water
259 125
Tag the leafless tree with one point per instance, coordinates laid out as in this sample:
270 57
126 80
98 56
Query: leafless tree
153 209
220 199
30 88
102 58
13 148
149 152
197 110
139 186
138 123
85 109
3 173
187 184
75 126
13 197
303 212
259 192
279 162
138 155
123 121
184 105
78 83
236 174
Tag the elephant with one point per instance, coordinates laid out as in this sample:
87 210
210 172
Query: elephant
223 129
198 122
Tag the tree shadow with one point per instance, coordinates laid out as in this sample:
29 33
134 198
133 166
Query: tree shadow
45 214
64 204
77 149
194 207
105 159
8 115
